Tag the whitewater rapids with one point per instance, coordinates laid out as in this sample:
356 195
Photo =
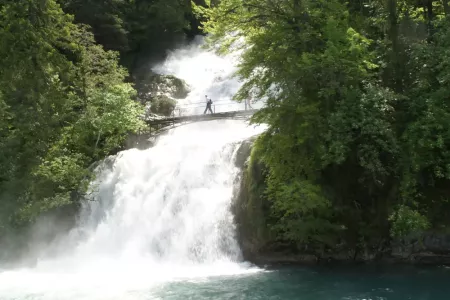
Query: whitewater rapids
159 215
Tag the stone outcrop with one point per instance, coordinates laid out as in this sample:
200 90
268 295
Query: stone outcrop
248 208
159 93
162 105
430 248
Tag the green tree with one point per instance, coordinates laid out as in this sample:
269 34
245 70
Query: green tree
65 104
128 25
308 63
356 103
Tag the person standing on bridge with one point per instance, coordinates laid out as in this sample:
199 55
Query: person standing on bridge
248 103
248 100
208 105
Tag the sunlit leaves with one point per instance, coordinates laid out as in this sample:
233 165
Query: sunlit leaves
356 103
64 104
302 210
406 221
309 54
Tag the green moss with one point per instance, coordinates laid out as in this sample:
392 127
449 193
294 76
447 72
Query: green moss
163 105
257 205
251 208
180 87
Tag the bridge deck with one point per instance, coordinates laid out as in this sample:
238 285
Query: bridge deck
206 117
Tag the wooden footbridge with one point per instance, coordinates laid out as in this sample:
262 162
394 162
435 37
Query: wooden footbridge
166 121
178 117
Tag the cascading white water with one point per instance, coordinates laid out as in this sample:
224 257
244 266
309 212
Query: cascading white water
207 74
159 214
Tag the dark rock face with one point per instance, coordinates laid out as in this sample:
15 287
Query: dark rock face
163 105
438 243
160 92
252 215
151 85
243 153
430 248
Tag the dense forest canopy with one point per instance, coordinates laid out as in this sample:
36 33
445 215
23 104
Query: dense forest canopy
64 105
131 27
65 100
358 94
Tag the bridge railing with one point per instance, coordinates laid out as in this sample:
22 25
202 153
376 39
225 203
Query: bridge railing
191 109
194 112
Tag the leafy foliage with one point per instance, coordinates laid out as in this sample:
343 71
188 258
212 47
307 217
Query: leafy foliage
127 25
406 220
356 102
64 105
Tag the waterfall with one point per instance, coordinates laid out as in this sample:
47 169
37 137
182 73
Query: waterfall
155 215
207 74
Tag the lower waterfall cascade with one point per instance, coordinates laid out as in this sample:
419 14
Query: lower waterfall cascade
156 215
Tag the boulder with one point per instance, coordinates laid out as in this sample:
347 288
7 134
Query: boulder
159 92
162 105
152 85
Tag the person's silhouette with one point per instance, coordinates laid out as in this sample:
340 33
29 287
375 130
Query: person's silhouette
208 105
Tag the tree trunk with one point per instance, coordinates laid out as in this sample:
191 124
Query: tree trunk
446 7
98 139
430 16
395 51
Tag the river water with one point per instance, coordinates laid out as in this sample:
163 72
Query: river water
159 224
302 283
319 283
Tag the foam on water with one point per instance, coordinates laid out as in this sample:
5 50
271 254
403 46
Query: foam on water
207 74
159 215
